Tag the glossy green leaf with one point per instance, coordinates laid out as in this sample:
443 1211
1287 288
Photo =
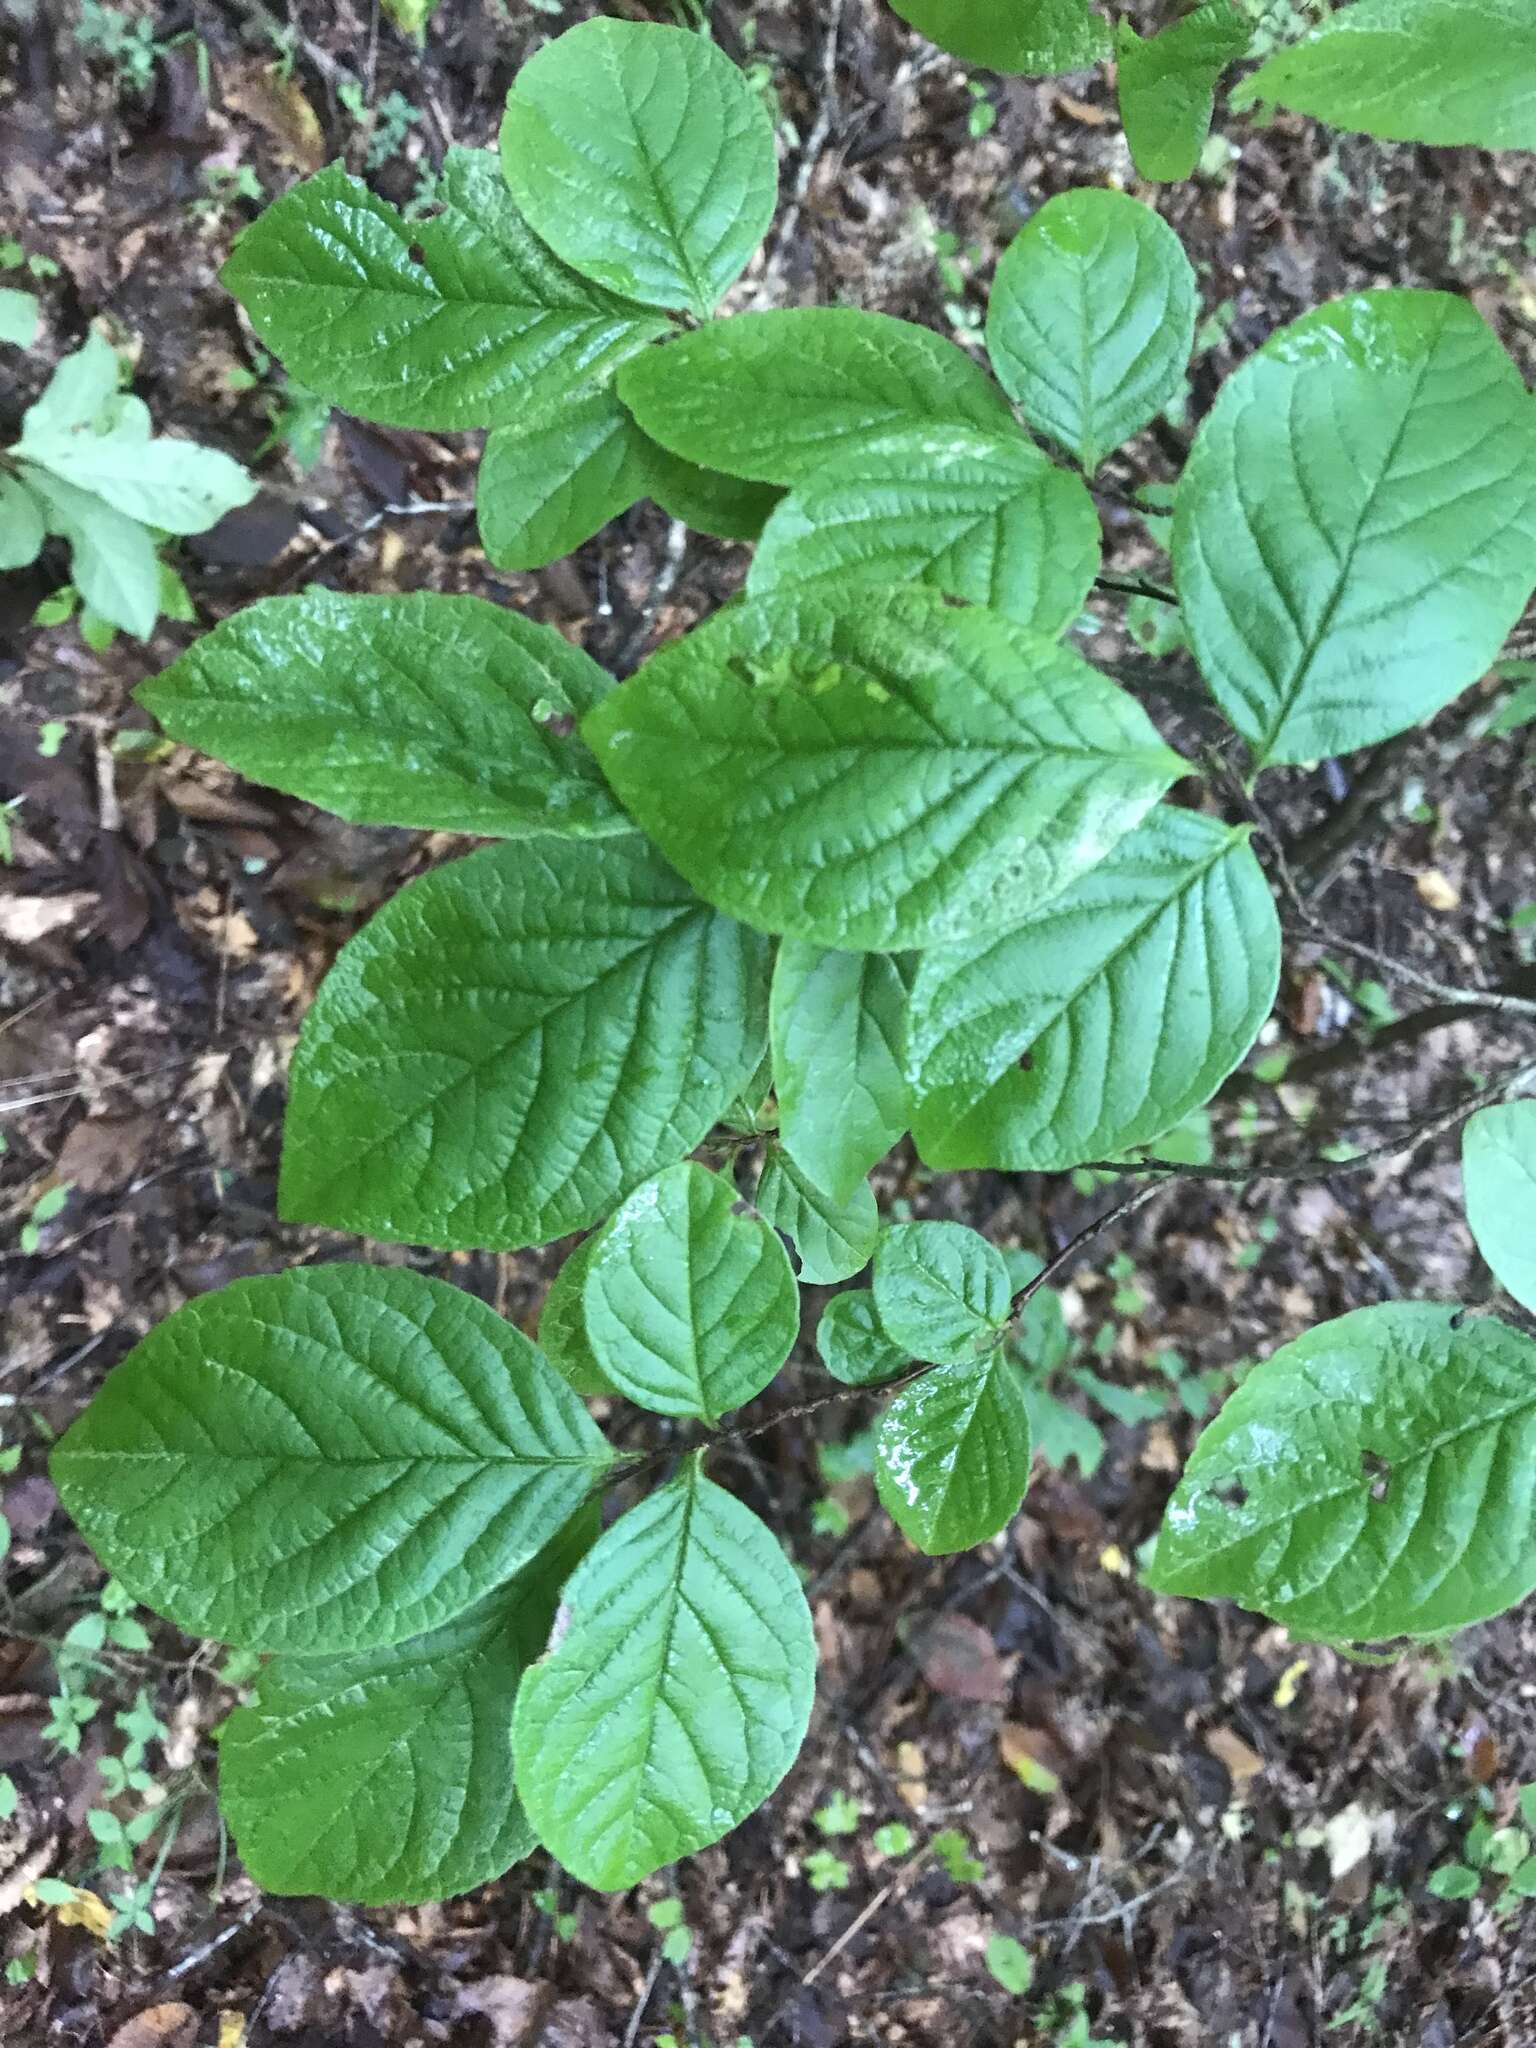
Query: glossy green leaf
516 1041
773 395
385 1778
690 1309
941 1291
1438 71
833 1236
837 1023
563 1325
1355 531
332 1458
1498 1164
483 327
642 156
852 1343
1092 319
726 507
1033 36
21 524
953 1454
677 1694
976 515
1104 1018
1167 86
890 773
447 713
1372 1479
556 477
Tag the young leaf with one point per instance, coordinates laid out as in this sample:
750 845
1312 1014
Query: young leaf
953 1454
21 524
20 317
385 1777
1372 1479
484 327
1167 86
834 1237
112 560
885 773
77 393
1437 71
1104 1018
174 485
852 1341
1033 36
690 1309
941 1291
837 1022
1092 319
331 1458
678 1695
563 1325
726 507
1498 1163
446 713
557 476
642 157
773 395
977 515
1355 531
516 1041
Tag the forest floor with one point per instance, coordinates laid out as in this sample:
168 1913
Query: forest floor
1200 1832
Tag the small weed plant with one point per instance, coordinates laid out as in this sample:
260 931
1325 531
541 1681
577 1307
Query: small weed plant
872 852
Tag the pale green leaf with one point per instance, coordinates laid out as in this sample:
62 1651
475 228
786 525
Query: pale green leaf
1355 531
1033 36
690 1309
942 1292
557 476
1498 1164
1438 71
446 713
78 392
563 1326
1104 1018
852 1342
22 523
20 317
484 327
1167 86
976 515
642 156
331 1458
111 557
1372 1479
953 1454
833 1236
837 1027
773 395
1092 318
890 773
678 1693
515 1042
174 485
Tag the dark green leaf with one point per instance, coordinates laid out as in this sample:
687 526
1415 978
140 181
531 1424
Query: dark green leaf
727 507
838 1025
552 480
833 1236
941 1291
563 1326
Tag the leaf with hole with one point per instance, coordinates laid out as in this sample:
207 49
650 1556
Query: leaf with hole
332 1458
953 1454
837 1024
1498 1164
941 1291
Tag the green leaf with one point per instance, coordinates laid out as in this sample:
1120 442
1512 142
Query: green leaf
174 485
837 1022
563 1326
446 713
887 774
1355 531
853 1345
485 327
726 507
1370 1480
557 477
78 392
941 1291
385 1778
332 1458
678 1694
1034 36
1498 1163
1092 319
1100 1022
20 317
1437 71
690 1309
642 156
22 524
834 1236
773 395
1454 1881
112 558
1167 86
1010 1964
1060 1432
953 1454
976 515
515 1042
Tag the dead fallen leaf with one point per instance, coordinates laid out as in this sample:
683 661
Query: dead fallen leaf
958 1658
158 2026
1230 1749
515 2008
1034 1755
26 919
1437 890
103 1152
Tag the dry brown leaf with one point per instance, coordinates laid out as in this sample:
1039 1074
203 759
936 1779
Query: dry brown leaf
1230 1749
104 1152
1437 890
277 104
958 1658
158 2026
26 919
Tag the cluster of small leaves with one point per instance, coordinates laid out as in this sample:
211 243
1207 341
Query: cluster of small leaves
852 859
